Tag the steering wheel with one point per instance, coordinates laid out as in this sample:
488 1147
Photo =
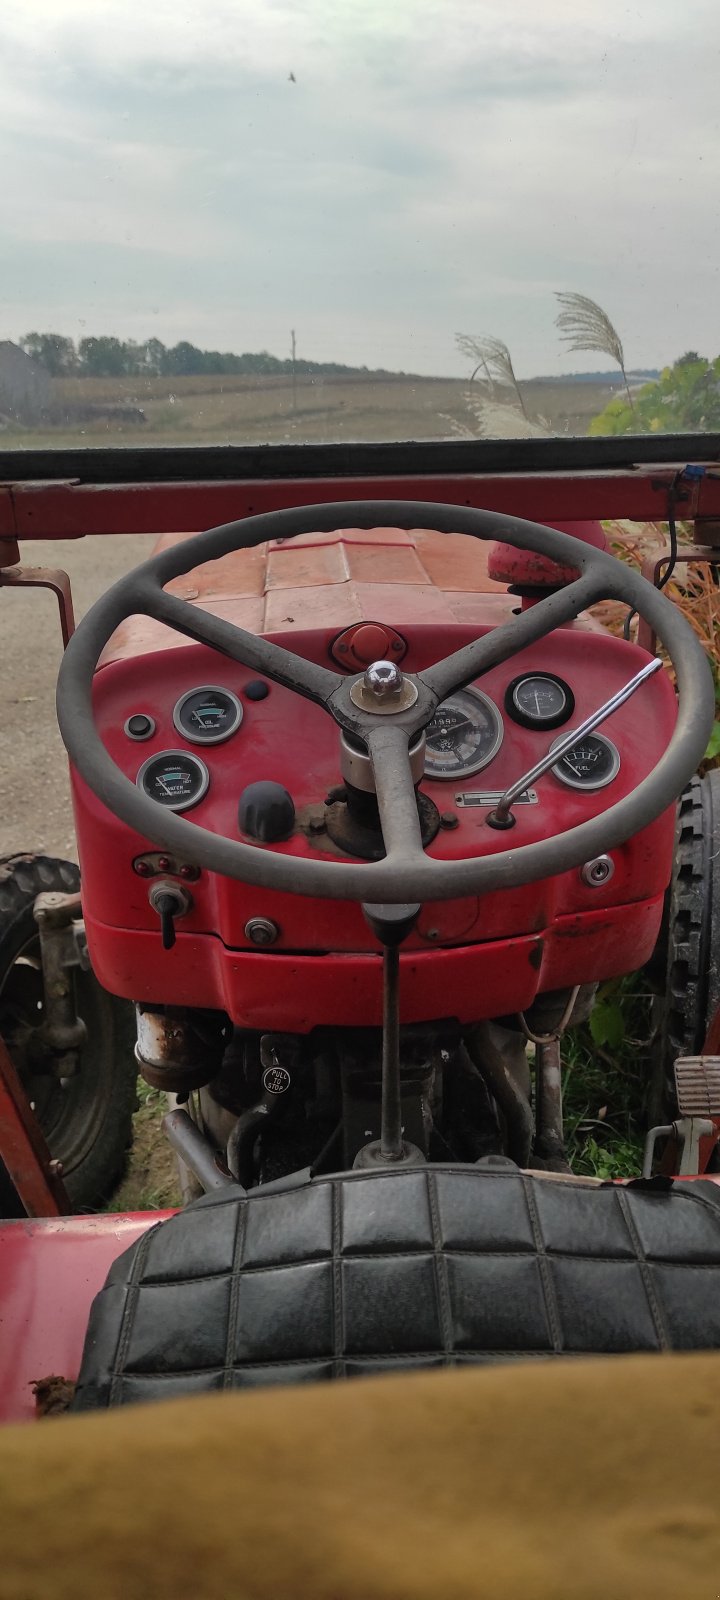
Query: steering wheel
406 873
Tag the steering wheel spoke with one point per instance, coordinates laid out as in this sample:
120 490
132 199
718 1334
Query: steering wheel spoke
397 803
464 665
262 655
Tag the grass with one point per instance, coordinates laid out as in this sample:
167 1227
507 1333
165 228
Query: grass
151 1180
605 1083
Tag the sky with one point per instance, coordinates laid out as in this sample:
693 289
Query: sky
436 166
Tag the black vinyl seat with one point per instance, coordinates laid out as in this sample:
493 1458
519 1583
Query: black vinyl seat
401 1269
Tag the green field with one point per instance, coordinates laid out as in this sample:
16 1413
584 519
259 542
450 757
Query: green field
246 410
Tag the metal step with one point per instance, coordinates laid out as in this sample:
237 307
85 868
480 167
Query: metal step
697 1084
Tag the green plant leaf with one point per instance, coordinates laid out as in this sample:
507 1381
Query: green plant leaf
713 748
607 1024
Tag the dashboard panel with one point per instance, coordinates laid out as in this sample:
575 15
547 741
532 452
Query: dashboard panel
196 731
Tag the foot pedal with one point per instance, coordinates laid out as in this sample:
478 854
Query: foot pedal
697 1085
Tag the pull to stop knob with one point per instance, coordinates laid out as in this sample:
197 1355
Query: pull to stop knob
170 902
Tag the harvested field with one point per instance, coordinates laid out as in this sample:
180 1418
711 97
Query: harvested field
239 409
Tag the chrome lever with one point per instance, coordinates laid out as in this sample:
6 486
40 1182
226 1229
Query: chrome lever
501 816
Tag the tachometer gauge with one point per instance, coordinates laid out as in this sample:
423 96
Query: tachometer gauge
175 779
590 765
539 700
464 735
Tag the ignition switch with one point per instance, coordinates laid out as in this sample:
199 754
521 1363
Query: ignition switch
170 902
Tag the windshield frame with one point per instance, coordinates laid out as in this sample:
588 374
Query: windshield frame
421 458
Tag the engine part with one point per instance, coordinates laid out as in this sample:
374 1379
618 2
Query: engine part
178 1049
515 1106
549 1136
195 1150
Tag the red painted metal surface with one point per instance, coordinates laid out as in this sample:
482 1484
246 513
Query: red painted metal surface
524 568
437 592
23 1149
70 510
50 1272
294 993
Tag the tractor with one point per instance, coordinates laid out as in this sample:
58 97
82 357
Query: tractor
368 803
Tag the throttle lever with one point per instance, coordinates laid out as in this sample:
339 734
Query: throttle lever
170 902
501 816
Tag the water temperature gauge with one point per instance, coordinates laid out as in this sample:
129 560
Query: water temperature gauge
175 779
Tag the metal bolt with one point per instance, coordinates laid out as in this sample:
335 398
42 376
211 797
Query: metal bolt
448 819
260 930
164 863
143 869
597 872
56 1169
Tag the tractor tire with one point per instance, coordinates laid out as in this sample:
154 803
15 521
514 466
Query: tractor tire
692 936
88 1122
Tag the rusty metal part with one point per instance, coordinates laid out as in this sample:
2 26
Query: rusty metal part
23 1149
554 1034
178 1049
44 578
353 824
62 948
503 1085
195 1151
651 569
9 552
550 1136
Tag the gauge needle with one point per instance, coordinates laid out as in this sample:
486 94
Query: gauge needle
164 786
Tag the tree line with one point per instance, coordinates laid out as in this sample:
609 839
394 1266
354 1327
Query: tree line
107 357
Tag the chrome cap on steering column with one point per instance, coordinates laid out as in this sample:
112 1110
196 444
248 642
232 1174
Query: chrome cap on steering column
383 689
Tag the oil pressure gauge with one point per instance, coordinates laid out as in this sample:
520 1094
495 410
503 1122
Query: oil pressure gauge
207 715
175 779
539 700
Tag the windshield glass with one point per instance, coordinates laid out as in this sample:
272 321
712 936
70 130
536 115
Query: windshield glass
298 220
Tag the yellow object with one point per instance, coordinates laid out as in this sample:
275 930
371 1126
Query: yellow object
592 1480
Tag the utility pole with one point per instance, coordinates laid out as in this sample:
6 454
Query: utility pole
294 374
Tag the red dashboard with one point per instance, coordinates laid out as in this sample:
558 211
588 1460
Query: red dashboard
468 958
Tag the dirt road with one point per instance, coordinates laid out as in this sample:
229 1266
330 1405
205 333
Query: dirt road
35 812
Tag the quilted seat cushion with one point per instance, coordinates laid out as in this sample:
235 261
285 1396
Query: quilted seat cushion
371 1272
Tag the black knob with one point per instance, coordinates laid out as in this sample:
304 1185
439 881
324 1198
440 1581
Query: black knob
267 812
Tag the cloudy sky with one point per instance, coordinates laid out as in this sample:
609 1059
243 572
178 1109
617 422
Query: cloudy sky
437 165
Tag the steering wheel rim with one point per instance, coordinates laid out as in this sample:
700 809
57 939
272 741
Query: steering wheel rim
406 873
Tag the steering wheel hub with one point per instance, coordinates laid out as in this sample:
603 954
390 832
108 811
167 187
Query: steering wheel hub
383 690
